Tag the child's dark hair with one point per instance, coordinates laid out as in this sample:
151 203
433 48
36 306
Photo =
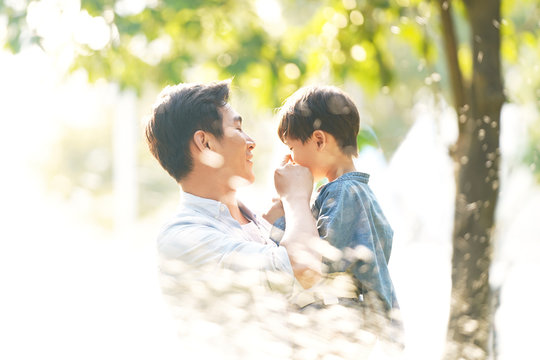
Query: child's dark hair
325 108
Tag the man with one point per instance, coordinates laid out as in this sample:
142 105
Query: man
198 139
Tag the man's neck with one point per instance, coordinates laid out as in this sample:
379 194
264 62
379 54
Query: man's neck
207 186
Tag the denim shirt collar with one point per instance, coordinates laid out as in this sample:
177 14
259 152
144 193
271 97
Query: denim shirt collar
353 175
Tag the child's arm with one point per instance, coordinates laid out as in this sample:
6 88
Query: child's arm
275 212
349 221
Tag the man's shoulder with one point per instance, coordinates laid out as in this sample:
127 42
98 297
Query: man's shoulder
186 217
183 227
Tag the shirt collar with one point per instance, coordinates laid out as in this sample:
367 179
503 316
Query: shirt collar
354 175
202 205
212 207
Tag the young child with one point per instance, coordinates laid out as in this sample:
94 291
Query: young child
320 125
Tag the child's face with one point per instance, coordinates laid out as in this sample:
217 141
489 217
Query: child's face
304 154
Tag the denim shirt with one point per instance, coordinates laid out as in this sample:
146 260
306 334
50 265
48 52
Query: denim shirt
351 220
204 236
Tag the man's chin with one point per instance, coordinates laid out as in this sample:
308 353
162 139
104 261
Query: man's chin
250 178
236 182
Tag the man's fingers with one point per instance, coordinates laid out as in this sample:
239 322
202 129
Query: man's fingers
286 159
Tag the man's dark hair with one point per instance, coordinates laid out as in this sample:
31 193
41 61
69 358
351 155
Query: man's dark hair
179 112
325 108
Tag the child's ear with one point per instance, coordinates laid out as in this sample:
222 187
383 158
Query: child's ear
201 139
320 139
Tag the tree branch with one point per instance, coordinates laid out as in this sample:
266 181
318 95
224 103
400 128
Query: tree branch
450 50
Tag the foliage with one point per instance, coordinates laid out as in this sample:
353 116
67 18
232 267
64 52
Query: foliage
382 51
376 44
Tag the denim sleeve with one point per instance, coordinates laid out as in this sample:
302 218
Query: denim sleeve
348 221
337 221
277 230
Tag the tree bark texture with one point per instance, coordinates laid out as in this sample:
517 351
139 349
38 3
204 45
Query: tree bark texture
476 157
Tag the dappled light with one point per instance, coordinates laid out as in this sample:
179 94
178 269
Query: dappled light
64 22
237 182
449 133
211 158
243 318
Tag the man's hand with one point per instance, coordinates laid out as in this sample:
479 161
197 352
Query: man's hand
293 181
294 184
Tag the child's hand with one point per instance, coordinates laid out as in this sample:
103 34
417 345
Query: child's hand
275 212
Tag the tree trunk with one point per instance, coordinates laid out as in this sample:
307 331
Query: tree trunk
476 158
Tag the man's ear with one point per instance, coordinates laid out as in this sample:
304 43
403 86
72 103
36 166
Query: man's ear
200 140
320 138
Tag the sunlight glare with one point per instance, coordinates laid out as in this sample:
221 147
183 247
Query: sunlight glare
292 71
271 14
358 53
3 29
211 158
129 7
236 182
16 5
268 10
356 17
92 31
150 52
349 4
61 22
340 20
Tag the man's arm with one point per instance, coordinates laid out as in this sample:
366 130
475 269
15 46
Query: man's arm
294 184
186 249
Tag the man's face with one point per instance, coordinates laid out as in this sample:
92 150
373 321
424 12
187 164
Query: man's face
235 146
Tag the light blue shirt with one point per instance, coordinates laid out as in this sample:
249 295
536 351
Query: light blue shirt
203 237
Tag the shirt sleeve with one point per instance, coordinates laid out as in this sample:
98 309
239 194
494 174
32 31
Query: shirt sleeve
201 247
347 221
278 230
342 221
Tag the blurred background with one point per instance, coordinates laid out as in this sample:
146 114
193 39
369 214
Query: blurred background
82 199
